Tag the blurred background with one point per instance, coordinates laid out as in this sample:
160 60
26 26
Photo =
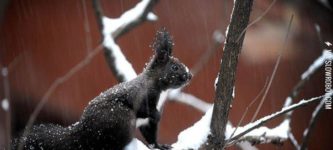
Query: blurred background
41 40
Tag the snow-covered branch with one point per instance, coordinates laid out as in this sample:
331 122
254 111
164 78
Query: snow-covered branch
189 99
196 135
244 131
111 29
326 55
314 117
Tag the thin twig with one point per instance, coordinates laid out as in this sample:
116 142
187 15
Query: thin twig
293 140
217 39
247 109
313 120
86 26
53 87
274 70
257 19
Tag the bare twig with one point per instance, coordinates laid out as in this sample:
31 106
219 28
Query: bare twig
313 120
5 104
53 87
293 140
86 26
247 109
248 128
257 19
226 80
274 70
218 38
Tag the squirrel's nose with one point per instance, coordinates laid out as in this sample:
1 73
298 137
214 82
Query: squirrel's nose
186 76
189 76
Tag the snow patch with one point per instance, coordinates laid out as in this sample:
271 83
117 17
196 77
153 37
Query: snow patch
140 122
123 67
317 27
328 43
233 92
151 16
327 55
218 36
4 72
136 144
5 104
194 136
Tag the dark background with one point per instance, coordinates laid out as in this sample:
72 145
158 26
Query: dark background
41 40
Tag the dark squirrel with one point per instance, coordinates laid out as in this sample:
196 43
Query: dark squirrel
109 120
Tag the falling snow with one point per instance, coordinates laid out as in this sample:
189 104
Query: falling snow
5 104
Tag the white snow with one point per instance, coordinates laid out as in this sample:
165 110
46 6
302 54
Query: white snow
216 79
233 92
122 65
130 16
4 72
140 122
327 55
194 136
288 102
5 104
136 144
151 16
162 100
112 27
328 43
218 36
317 27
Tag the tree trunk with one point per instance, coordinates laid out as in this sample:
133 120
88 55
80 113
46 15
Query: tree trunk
226 80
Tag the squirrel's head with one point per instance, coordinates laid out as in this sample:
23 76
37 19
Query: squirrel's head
168 71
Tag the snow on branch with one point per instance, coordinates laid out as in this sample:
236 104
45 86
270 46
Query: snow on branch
315 115
111 29
326 55
196 135
246 130
130 19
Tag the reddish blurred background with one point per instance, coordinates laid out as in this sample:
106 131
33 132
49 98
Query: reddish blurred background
41 40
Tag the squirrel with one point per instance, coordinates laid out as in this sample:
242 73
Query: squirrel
109 120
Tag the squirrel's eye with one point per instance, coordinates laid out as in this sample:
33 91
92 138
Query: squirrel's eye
174 68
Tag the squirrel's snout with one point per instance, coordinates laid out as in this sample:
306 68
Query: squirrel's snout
186 77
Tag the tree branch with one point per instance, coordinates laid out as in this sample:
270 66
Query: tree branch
111 29
293 140
307 132
274 70
226 80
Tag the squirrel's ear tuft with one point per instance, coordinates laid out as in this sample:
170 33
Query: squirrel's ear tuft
162 45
